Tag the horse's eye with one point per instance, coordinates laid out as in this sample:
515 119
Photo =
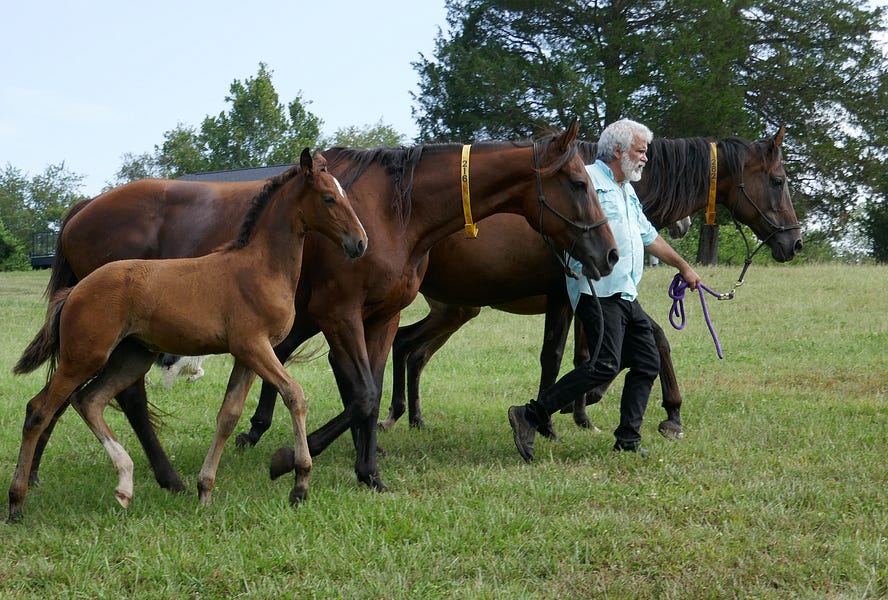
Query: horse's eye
777 181
578 185
329 200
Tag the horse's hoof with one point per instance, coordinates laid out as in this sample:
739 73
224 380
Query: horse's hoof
282 462
15 516
587 424
417 424
670 430
243 440
377 484
385 425
380 451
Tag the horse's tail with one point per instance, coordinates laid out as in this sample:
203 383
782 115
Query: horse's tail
62 276
45 345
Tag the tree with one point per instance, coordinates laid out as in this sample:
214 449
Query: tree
38 204
509 68
257 130
375 136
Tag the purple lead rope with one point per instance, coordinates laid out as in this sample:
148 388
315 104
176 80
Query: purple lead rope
677 293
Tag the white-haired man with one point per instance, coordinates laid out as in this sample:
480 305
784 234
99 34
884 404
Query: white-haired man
627 339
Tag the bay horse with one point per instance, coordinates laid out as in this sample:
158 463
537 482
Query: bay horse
514 273
105 333
408 199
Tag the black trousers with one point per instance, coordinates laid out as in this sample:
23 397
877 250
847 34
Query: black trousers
627 343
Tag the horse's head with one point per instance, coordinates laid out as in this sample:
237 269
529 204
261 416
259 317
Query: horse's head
331 213
567 206
760 198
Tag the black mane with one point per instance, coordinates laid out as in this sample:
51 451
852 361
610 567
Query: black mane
677 174
258 205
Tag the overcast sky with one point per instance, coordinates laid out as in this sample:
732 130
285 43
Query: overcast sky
86 82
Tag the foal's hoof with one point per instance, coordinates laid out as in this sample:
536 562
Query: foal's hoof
670 430
123 498
298 494
282 462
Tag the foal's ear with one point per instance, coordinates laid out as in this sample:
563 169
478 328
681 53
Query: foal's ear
305 161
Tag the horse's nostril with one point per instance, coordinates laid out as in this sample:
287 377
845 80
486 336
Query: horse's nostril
797 247
612 257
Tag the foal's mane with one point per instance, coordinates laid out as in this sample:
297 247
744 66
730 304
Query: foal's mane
259 204
400 164
677 173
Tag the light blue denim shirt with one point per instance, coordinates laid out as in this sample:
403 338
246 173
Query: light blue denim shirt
631 229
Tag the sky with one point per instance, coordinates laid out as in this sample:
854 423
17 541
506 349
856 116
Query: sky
86 82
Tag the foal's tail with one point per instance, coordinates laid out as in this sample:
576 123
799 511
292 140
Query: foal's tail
45 345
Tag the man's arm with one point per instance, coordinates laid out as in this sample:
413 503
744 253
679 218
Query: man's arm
662 250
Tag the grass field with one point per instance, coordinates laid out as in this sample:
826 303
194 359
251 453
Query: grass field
778 489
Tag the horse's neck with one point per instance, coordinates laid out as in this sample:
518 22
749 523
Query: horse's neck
493 188
275 246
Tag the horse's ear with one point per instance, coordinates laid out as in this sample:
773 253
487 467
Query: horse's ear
305 160
570 134
320 162
778 139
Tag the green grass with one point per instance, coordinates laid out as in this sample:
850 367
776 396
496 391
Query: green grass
778 489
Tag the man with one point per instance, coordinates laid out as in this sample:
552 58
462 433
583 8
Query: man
627 340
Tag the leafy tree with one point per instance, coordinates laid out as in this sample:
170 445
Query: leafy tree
256 130
12 254
375 136
38 204
508 68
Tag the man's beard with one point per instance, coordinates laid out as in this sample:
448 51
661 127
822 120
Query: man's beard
631 169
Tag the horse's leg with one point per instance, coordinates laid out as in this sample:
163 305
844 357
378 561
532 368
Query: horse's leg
239 383
262 416
413 348
671 427
127 363
359 382
134 403
582 355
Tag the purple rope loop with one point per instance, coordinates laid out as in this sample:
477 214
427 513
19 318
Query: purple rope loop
677 293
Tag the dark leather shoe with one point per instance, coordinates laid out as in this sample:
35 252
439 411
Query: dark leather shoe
642 452
522 432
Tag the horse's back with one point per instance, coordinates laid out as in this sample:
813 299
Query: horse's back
155 218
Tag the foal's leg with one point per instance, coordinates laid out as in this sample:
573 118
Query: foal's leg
127 363
38 415
239 383
269 368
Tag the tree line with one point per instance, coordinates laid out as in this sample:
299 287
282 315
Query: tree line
506 69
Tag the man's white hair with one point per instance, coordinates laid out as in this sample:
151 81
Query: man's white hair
620 135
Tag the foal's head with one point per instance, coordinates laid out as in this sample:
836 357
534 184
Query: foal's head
328 209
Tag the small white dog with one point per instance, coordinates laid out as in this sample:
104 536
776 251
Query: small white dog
173 366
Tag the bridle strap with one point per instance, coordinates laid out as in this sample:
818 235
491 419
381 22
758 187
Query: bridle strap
543 203
471 227
710 219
